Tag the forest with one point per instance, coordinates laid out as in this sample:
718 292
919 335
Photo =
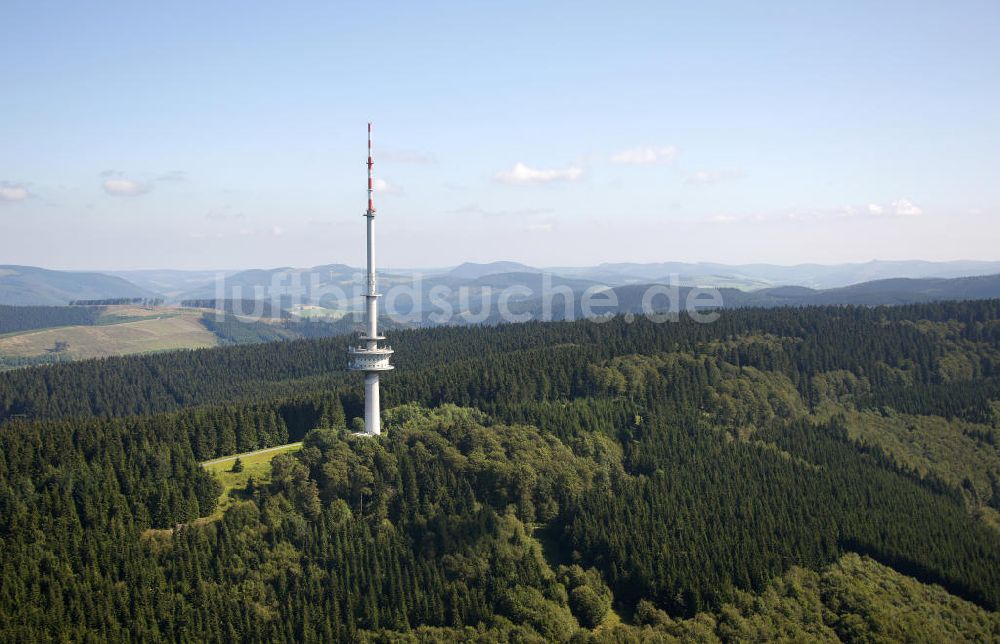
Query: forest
26 318
815 473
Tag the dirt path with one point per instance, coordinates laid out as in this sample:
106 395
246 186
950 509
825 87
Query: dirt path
249 454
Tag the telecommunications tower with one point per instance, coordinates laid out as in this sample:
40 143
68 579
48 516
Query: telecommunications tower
371 358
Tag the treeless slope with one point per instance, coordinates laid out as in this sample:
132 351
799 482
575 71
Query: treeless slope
143 336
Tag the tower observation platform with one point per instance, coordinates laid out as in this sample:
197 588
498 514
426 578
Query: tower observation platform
365 359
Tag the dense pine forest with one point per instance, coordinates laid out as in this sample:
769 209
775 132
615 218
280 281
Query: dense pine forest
26 318
814 473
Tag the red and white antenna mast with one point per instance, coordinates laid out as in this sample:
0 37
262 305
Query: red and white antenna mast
371 187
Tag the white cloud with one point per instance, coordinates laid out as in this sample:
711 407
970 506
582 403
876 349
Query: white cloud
645 155
13 192
382 186
522 174
898 208
538 228
121 187
711 177
277 231
906 208
117 184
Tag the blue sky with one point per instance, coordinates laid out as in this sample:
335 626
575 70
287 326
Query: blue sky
230 135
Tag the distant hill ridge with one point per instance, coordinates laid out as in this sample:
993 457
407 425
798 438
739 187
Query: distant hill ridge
888 292
818 276
473 270
876 292
25 285
29 285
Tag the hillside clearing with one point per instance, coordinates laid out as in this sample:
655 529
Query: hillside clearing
256 465
162 333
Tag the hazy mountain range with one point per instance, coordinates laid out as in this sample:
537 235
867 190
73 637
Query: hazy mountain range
877 292
817 276
876 282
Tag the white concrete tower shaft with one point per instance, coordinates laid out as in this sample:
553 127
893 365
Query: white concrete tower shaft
371 358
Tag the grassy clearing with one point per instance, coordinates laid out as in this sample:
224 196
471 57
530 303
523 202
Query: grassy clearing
14 334
311 311
163 332
255 464
121 314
